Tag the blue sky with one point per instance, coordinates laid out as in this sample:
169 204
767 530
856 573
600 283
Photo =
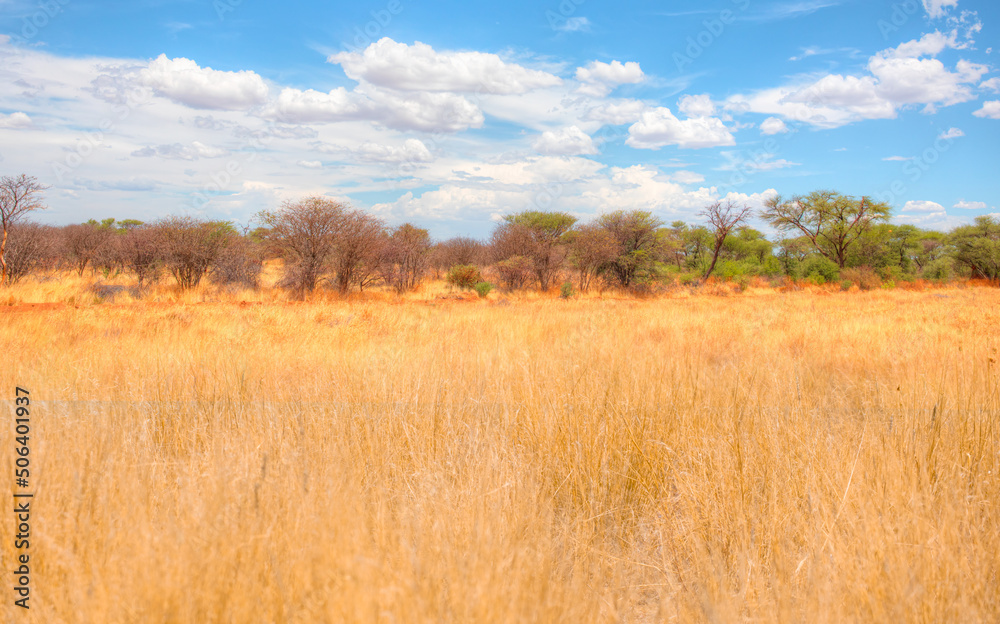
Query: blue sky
451 114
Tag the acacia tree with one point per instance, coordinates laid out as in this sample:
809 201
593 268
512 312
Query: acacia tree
977 247
190 246
538 236
18 196
637 243
305 231
830 221
724 217
358 246
405 257
83 242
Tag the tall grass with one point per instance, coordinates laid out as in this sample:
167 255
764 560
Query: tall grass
771 457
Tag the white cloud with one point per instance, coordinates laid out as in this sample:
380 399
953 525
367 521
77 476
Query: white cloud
993 84
757 162
575 24
773 125
898 158
412 150
967 205
310 164
617 113
687 177
428 112
951 133
923 206
598 79
176 151
898 77
183 81
659 127
15 121
696 105
419 67
990 110
939 8
569 141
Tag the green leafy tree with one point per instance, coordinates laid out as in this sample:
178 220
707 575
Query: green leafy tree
830 221
977 247
638 244
538 236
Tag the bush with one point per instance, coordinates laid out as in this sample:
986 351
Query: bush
240 262
566 291
939 270
482 289
514 272
819 270
864 277
846 284
465 276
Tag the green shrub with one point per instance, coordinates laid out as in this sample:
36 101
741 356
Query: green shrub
846 284
819 270
482 289
939 270
465 276
566 290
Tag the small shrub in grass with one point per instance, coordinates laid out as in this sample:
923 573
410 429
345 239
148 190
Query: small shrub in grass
864 277
846 284
566 290
482 289
465 276
819 270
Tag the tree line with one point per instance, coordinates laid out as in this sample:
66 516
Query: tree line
823 237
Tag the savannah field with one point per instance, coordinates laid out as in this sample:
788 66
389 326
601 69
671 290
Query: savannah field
808 456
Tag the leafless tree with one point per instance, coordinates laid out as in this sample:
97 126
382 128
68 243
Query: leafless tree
514 272
306 232
404 260
724 217
138 249
83 243
591 248
240 261
457 251
357 250
191 246
18 196
31 247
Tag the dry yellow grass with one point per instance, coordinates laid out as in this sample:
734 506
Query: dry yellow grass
760 458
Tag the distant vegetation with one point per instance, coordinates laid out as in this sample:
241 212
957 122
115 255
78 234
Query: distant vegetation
823 238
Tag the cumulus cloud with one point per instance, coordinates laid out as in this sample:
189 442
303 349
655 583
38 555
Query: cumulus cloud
599 79
569 141
967 205
659 127
696 105
184 82
428 112
897 77
419 67
951 133
923 206
687 177
990 110
993 84
939 8
15 121
773 125
310 164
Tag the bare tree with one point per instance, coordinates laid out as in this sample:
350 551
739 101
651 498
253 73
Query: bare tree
455 251
358 246
191 246
404 259
83 242
18 196
724 217
32 247
591 248
305 231
830 221
138 249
